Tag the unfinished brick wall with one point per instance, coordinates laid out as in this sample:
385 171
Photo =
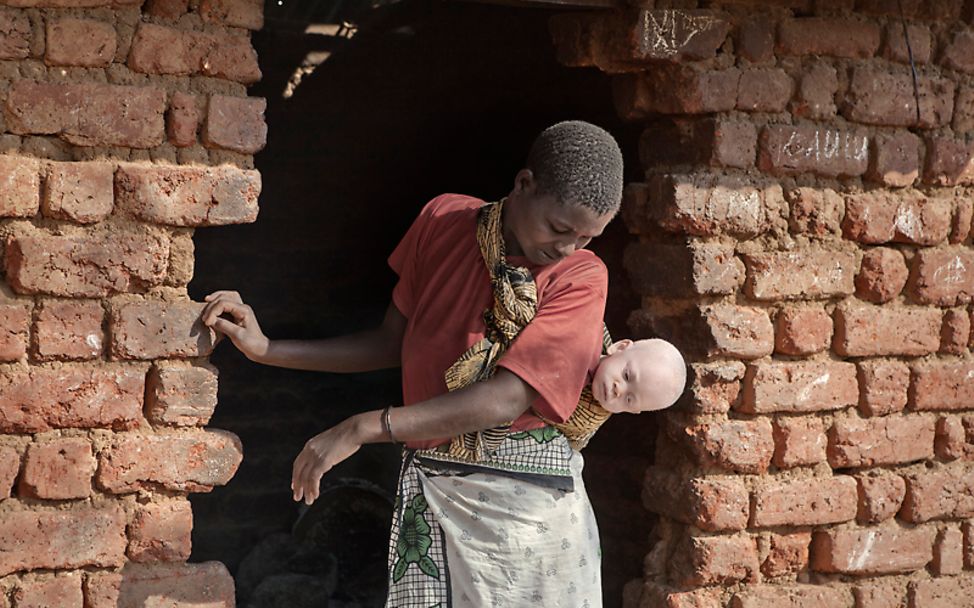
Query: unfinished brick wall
124 127
804 236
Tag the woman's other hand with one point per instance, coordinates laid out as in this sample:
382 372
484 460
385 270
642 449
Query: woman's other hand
320 454
241 326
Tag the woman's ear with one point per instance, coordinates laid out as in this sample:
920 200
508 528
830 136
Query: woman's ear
524 182
618 346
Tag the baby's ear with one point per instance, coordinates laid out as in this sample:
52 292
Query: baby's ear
618 346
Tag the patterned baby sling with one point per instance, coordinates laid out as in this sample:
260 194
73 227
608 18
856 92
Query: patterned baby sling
515 305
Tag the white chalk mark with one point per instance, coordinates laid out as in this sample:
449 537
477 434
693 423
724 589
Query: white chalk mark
806 392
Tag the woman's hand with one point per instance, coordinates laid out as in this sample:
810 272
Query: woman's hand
320 454
242 327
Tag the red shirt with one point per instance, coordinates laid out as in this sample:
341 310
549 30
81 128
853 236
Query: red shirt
444 288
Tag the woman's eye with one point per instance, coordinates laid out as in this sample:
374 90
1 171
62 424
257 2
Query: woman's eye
557 230
625 375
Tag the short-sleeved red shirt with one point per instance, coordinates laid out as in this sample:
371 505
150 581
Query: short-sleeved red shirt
444 289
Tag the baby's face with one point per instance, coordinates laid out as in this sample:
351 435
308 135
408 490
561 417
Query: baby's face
625 379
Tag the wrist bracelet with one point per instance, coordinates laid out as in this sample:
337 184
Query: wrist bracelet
387 424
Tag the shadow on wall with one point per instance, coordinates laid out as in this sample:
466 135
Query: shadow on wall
447 100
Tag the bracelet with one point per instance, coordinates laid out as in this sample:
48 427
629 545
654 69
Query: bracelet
387 424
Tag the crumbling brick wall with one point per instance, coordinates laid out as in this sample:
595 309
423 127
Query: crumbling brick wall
124 127
803 234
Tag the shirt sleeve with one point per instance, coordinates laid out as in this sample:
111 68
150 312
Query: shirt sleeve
403 260
556 350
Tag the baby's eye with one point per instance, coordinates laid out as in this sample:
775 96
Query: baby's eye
625 375
629 399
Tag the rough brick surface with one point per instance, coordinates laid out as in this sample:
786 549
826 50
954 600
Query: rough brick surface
882 275
943 493
948 592
181 395
58 469
921 43
236 123
895 159
755 39
15 321
189 196
68 330
737 331
20 196
826 36
968 529
862 330
948 162
80 42
182 120
785 149
170 10
764 90
883 386
70 397
798 441
714 560
10 468
880 497
235 13
91 265
877 217
80 192
711 504
887 98
157 49
816 212
959 53
948 553
805 502
676 89
880 440
887 549
88 114
815 97
791 596
955 438
187 462
715 387
708 141
799 387
964 109
74 538
955 332
15 34
802 330
207 584
744 446
683 269
787 553
161 532
943 276
942 385
806 274
63 591
154 329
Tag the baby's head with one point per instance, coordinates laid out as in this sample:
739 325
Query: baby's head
640 376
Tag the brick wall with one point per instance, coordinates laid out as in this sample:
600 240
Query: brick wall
803 233
124 126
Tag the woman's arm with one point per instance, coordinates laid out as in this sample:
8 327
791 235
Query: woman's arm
368 350
482 405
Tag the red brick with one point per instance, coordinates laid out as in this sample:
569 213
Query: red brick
785 149
92 265
948 553
708 141
959 52
208 585
63 591
805 386
80 192
69 330
236 123
880 497
880 440
715 387
881 594
882 275
816 212
708 204
189 196
955 332
943 276
192 461
80 42
154 329
798 441
863 330
942 10
883 387
710 504
15 34
755 39
683 269
948 592
955 438
887 549
791 596
83 536
944 493
764 90
715 560
964 109
949 162
171 10
879 97
20 195
181 395
183 120
676 89
968 529
805 502
807 274
921 43
942 385
248 14
88 114
877 217
15 321
70 397
787 554
10 468
816 92
743 446
802 330
961 225
575 37
157 49
161 532
895 159
742 332
825 36
58 469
